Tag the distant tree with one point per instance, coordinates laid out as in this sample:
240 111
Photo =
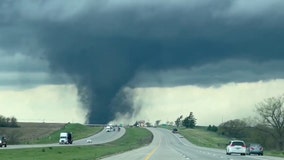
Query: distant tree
136 124
212 128
2 121
157 122
8 121
178 121
271 111
148 124
209 127
233 128
260 134
189 121
14 122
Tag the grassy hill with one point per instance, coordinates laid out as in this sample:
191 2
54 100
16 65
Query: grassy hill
133 138
29 133
78 131
202 137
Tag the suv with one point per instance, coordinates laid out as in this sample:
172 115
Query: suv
3 142
237 147
255 149
175 130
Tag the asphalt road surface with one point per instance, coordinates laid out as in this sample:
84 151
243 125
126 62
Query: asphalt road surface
169 146
99 138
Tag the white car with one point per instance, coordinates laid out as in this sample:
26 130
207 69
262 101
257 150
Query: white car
236 147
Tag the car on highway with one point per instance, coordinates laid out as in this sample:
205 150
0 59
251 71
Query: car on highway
255 148
175 130
3 141
236 147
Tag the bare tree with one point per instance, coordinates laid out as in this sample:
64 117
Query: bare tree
271 110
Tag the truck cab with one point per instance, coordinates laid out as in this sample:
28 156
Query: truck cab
65 138
3 141
110 128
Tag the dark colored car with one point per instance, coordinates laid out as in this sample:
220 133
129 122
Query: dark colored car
255 149
175 130
3 142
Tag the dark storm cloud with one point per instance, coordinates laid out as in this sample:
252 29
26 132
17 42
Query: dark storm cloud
18 71
213 74
104 45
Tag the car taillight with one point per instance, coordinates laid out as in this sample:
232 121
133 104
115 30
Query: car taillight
232 145
261 148
251 148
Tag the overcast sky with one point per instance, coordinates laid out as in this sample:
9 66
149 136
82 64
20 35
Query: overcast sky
104 60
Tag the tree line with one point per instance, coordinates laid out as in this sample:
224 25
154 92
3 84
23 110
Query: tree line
187 122
266 129
8 121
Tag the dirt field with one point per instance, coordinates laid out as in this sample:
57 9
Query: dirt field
29 131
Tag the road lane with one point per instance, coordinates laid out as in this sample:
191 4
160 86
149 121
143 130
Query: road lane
99 138
140 153
169 146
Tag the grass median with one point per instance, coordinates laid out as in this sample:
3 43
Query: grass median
78 131
133 138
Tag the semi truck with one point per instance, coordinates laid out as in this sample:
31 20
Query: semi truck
110 128
65 138
3 141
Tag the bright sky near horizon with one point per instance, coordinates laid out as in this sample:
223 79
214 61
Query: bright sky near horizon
211 106
100 61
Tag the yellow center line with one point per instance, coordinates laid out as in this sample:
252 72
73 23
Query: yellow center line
152 152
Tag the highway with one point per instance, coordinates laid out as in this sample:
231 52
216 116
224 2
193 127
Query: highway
99 138
165 146
169 146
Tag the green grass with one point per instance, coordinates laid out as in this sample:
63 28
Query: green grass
79 131
274 153
133 138
201 137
